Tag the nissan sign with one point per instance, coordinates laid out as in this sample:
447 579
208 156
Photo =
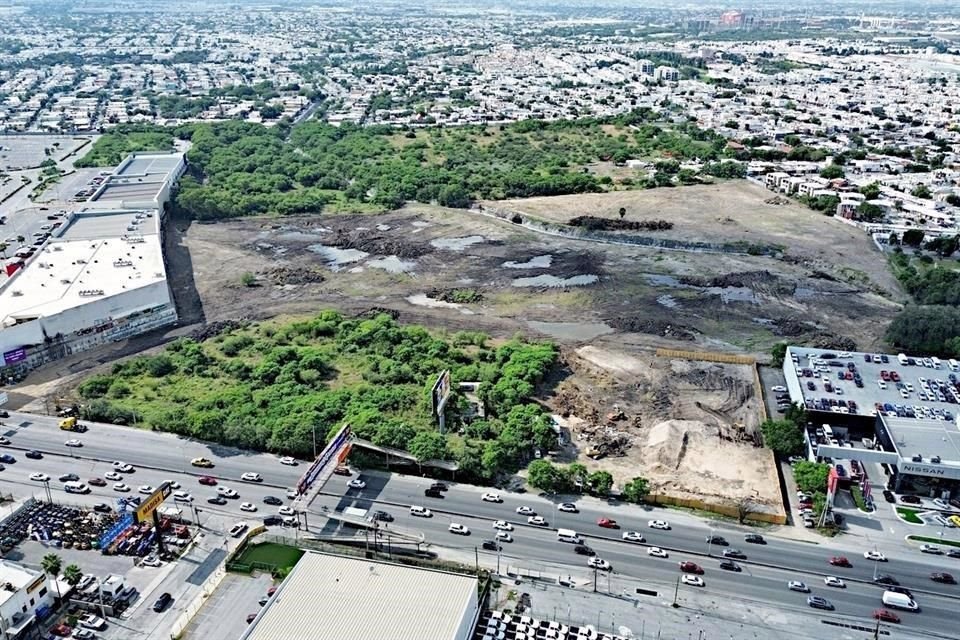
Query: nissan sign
929 470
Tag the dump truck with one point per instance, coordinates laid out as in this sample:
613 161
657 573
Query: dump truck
72 424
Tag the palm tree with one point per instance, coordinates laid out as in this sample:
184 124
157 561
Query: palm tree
20 239
51 564
3 249
72 574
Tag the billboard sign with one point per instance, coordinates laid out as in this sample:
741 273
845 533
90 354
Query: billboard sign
441 392
154 500
14 355
332 455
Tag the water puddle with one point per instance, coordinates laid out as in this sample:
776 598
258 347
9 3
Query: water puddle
393 264
733 294
538 262
383 227
456 244
337 258
574 331
547 280
668 301
421 300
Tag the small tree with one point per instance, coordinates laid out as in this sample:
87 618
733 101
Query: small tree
542 475
248 279
745 506
832 172
601 482
623 212
777 353
51 564
72 574
636 490
784 437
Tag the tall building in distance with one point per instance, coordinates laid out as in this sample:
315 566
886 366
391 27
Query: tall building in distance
733 19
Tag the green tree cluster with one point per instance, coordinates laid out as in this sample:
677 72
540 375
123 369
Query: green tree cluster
113 147
927 329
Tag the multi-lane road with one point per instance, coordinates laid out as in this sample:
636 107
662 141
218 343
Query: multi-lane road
767 569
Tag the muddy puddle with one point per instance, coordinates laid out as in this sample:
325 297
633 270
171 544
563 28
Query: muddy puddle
456 244
392 264
421 300
726 294
336 258
571 331
537 262
554 282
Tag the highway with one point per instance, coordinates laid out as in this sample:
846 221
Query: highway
159 456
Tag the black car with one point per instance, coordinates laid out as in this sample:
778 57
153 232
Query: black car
887 579
103 507
33 454
730 565
433 493
583 550
953 553
272 521
439 486
902 590
944 578
754 538
4 414
720 540
888 496
7 458
734 553
162 602
382 516
491 545
69 477
273 500
217 500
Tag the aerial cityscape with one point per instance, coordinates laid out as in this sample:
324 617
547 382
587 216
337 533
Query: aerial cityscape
479 321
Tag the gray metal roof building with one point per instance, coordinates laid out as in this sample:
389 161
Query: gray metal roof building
336 597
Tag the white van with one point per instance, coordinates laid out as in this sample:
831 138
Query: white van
953 364
936 362
902 358
896 600
75 486
568 535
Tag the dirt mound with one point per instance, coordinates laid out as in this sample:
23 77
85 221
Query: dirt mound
790 327
574 263
593 223
827 341
294 275
214 329
747 279
456 296
376 243
373 312
637 324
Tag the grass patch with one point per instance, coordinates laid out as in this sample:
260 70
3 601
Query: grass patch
931 540
279 556
909 515
858 498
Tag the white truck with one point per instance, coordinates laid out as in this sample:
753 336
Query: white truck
568 535
896 600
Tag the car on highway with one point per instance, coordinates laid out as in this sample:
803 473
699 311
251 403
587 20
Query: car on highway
220 500
286 511
734 553
796 585
430 492
7 458
943 578
693 581
887 579
459 529
730 565
491 497
833 581
930 548
248 506
438 486
290 462
717 540
537 521
251 476
659 524
567 507
839 561
162 602
39 477
584 550
121 487
885 615
382 516
502 525
145 489
112 475
657 552
420 512
73 442
526 511
818 602
33 454
4 440
491 545
97 482
69 477
607 523
691 567
272 521
227 492
902 590
173 484
953 553
632 536
272 501
754 538
598 563
204 463
357 483
122 467
102 507
874 555
503 536
208 481
182 496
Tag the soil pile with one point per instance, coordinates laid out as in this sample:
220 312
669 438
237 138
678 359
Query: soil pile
592 223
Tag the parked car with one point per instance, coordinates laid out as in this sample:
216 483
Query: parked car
162 602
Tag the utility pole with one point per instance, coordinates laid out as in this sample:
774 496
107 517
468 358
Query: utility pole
594 578
314 431
676 592
476 557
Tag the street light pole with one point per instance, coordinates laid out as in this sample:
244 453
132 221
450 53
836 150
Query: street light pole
709 541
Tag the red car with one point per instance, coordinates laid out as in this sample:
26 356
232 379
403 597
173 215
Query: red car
607 523
208 480
97 482
691 567
251 618
61 630
272 590
840 561
886 615
944 578
342 471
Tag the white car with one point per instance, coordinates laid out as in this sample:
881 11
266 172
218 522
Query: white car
568 507
73 442
420 512
930 548
537 521
122 488
632 536
173 484
123 467
833 581
693 581
145 489
796 585
459 529
287 460
227 492
597 563
39 477
778 389
357 483
491 497
112 475
503 536
292 494
526 511
659 524
502 525
940 504
657 552
151 561
90 621
182 496
251 476
286 511
248 506
874 555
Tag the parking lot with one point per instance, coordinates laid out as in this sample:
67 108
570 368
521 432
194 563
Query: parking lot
224 615
20 152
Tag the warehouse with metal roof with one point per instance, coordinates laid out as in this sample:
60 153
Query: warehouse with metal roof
334 597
